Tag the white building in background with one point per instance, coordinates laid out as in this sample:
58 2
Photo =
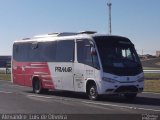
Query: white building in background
158 53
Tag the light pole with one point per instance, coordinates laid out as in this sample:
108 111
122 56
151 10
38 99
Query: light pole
110 22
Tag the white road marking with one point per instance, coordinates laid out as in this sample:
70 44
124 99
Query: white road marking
39 96
120 106
5 81
100 107
14 85
43 100
58 100
6 92
103 104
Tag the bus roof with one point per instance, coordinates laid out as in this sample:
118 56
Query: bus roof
63 36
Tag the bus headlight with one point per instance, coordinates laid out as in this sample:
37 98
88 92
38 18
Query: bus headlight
108 80
141 79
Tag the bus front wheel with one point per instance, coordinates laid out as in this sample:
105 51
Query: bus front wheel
92 92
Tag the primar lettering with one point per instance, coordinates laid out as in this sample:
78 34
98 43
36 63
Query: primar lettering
63 69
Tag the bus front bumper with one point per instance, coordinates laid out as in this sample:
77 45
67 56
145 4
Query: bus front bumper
120 88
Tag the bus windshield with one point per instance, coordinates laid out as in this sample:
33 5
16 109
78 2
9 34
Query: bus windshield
118 55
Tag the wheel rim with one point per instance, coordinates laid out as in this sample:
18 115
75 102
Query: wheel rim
93 92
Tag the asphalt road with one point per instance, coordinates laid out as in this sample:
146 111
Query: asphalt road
17 99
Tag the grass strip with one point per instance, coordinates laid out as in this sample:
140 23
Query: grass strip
152 86
152 75
5 77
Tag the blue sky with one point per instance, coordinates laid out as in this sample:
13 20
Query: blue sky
138 20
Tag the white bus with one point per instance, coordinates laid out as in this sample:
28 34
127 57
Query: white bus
82 62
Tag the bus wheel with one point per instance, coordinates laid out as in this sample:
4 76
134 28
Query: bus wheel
37 87
92 92
130 96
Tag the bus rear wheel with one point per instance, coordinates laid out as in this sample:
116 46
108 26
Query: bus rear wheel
37 86
92 92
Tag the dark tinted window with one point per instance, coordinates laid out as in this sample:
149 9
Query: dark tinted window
43 51
20 51
84 52
36 52
65 51
118 55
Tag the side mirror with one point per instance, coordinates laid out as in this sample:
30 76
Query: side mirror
93 51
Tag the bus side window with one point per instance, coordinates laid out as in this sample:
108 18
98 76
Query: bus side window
65 51
20 51
15 51
95 58
84 54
